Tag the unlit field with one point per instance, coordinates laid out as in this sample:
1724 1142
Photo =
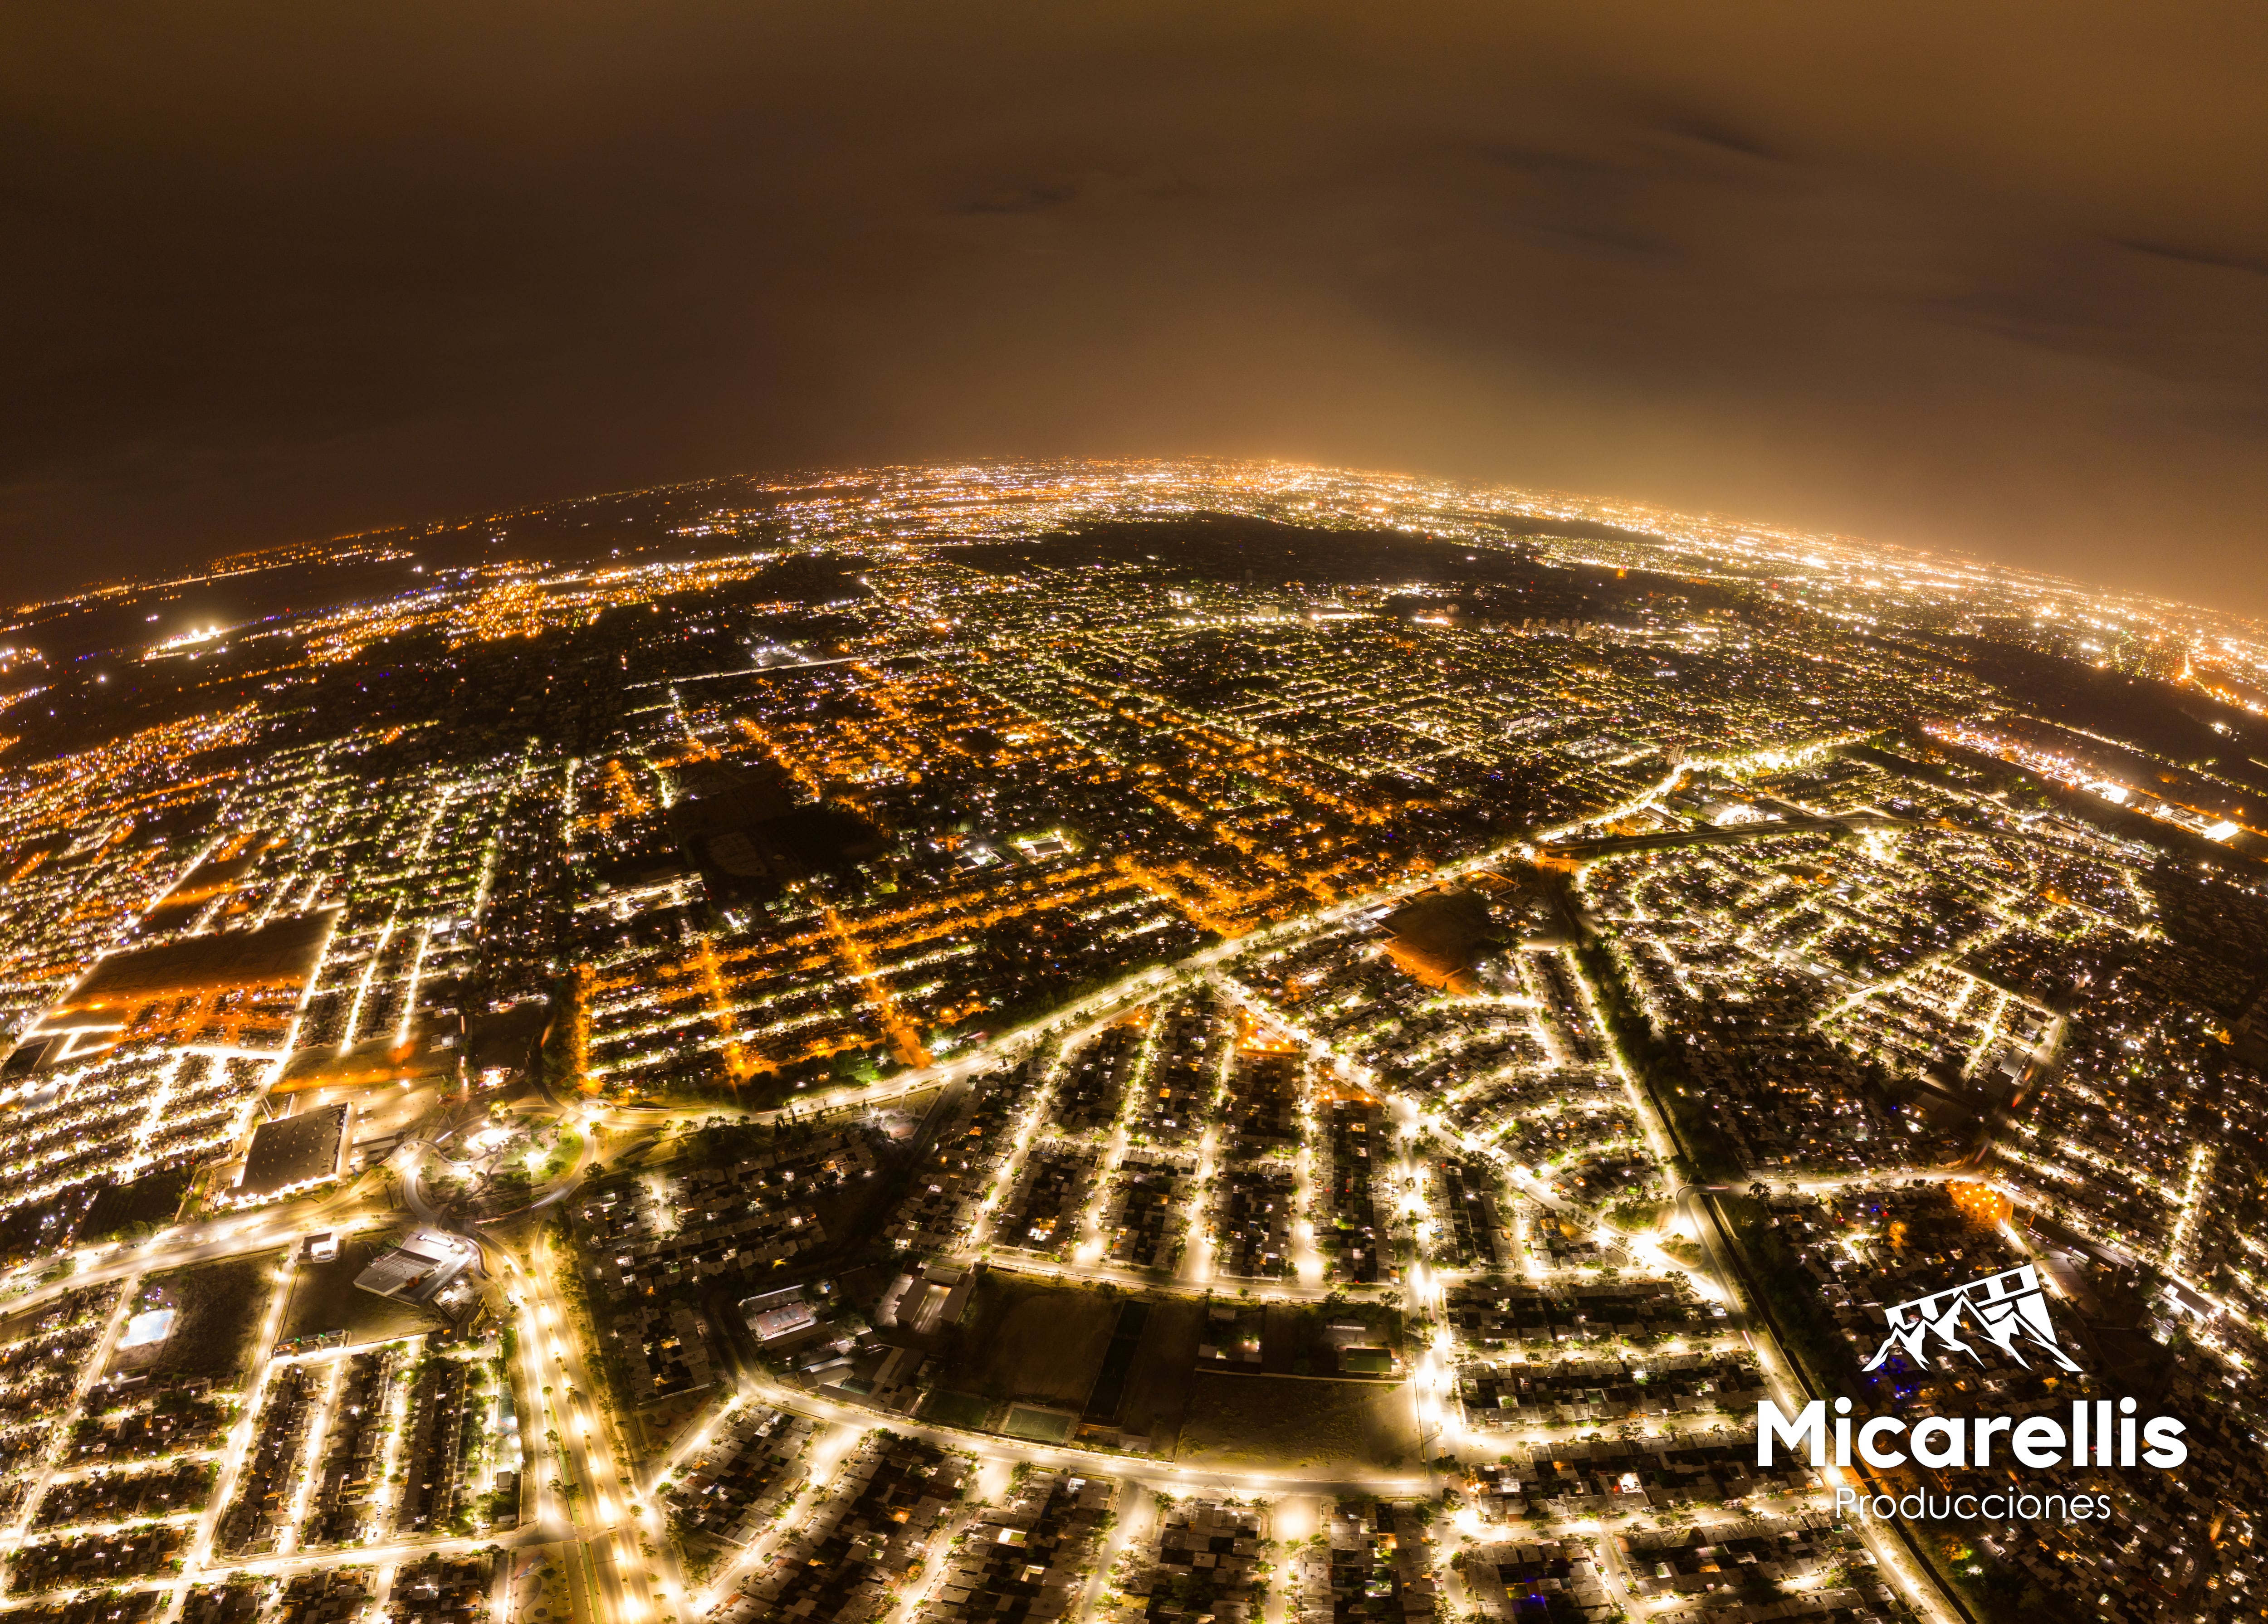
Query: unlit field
1157 1388
218 1308
1024 1339
1243 1422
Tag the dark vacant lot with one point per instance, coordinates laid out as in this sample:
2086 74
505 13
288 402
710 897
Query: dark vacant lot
1046 1343
957 1409
1157 1388
1243 1422
1233 548
1024 1339
218 1308
129 1209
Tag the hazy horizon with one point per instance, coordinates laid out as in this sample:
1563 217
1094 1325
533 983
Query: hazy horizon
1947 281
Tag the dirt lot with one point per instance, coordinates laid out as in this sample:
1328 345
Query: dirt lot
147 1204
1157 1388
1243 1421
661 1423
1027 1338
219 1307
324 1298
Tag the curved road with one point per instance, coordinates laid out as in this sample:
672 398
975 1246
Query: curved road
412 1156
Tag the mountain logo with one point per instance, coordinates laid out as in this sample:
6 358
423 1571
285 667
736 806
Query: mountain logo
2005 1309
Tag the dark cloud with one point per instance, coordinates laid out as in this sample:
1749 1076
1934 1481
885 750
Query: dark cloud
1933 276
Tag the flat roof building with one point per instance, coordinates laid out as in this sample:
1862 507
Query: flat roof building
440 1270
295 1152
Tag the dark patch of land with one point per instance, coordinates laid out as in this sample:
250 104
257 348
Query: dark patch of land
505 1040
758 859
145 1203
282 954
1026 1339
1436 936
1241 1421
218 1308
570 686
957 1409
2159 717
1157 1387
1123 1362
1221 547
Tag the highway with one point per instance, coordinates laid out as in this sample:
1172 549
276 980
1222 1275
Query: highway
575 1444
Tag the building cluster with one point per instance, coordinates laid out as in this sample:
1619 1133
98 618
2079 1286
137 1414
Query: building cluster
1263 1114
1615 1476
738 1482
342 1506
959 1169
1587 1393
41 1368
1029 1557
1839 990
1347 988
1515 1579
1506 1063
1850 1255
1373 1560
442 1418
237 1602
325 1595
1858 1250
119 1125
875 1525
78 1561
123 1420
257 1521
1797 1567
1200 1556
439 1590
1475 1229
1146 1215
1190 1048
648 1237
115 1498
1508 837
1357 1137
287 915
1494 1316
1042 1212
91 839
1091 1084
137 1459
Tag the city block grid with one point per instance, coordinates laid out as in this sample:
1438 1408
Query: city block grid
1080 1041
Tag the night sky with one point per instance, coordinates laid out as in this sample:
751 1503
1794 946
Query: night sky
1992 278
